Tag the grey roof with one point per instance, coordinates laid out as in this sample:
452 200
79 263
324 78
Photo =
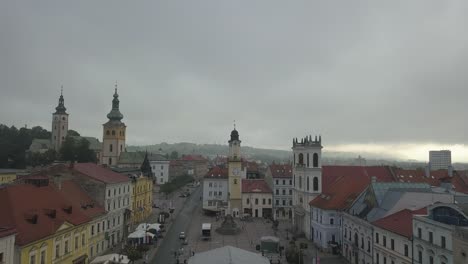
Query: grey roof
131 157
228 255
40 145
8 171
380 188
156 157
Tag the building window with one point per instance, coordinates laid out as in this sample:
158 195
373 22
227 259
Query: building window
256 200
110 147
419 232
110 161
431 238
300 182
301 159
284 182
277 202
284 192
345 232
269 200
32 259
92 230
368 245
315 160
431 260
332 221
290 192
42 261
442 241
121 148
420 256
284 202
377 256
107 132
362 242
384 239
277 182
376 238
66 246
316 184
406 250
392 244
308 184
113 133
57 250
277 192
248 200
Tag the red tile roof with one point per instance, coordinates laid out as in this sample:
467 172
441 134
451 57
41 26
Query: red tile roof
255 186
100 173
23 204
7 231
193 158
349 182
281 171
400 222
217 173
459 184
419 176
251 166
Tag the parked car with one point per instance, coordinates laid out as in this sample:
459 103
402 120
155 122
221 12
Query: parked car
182 235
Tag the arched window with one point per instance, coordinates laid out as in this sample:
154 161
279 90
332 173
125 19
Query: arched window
113 132
107 132
315 184
356 240
308 183
301 159
307 160
316 161
110 147
332 221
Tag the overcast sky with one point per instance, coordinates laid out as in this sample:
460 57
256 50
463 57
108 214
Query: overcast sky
386 77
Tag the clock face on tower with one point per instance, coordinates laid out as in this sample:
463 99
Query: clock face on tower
236 172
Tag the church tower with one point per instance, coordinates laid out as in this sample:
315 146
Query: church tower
307 180
235 174
59 124
113 137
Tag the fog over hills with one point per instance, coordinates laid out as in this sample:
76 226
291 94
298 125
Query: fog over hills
270 155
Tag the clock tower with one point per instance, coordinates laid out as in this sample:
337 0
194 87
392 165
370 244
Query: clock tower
59 124
235 174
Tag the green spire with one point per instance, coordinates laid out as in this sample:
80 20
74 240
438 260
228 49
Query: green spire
114 114
60 109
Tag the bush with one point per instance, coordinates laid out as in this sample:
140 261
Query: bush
175 184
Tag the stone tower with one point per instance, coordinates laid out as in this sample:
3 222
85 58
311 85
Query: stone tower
113 137
59 124
307 180
235 174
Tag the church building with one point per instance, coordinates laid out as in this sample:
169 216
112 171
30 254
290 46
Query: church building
59 124
113 139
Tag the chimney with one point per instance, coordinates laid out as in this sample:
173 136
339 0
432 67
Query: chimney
58 181
428 170
373 179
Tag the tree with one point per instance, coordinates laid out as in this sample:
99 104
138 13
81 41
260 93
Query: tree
77 151
72 132
67 150
174 155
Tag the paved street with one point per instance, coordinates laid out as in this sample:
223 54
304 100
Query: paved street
171 242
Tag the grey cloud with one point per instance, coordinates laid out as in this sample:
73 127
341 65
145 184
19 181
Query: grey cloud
358 71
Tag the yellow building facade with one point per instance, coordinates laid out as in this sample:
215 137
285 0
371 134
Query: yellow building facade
69 244
7 177
142 198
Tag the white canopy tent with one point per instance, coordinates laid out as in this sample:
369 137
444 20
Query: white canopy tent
111 258
147 226
140 234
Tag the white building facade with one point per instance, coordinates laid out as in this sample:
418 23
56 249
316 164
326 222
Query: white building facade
160 168
357 239
432 234
440 159
307 181
279 177
257 198
7 245
118 200
326 227
215 190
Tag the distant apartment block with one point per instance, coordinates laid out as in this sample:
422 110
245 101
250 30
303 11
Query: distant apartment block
440 159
